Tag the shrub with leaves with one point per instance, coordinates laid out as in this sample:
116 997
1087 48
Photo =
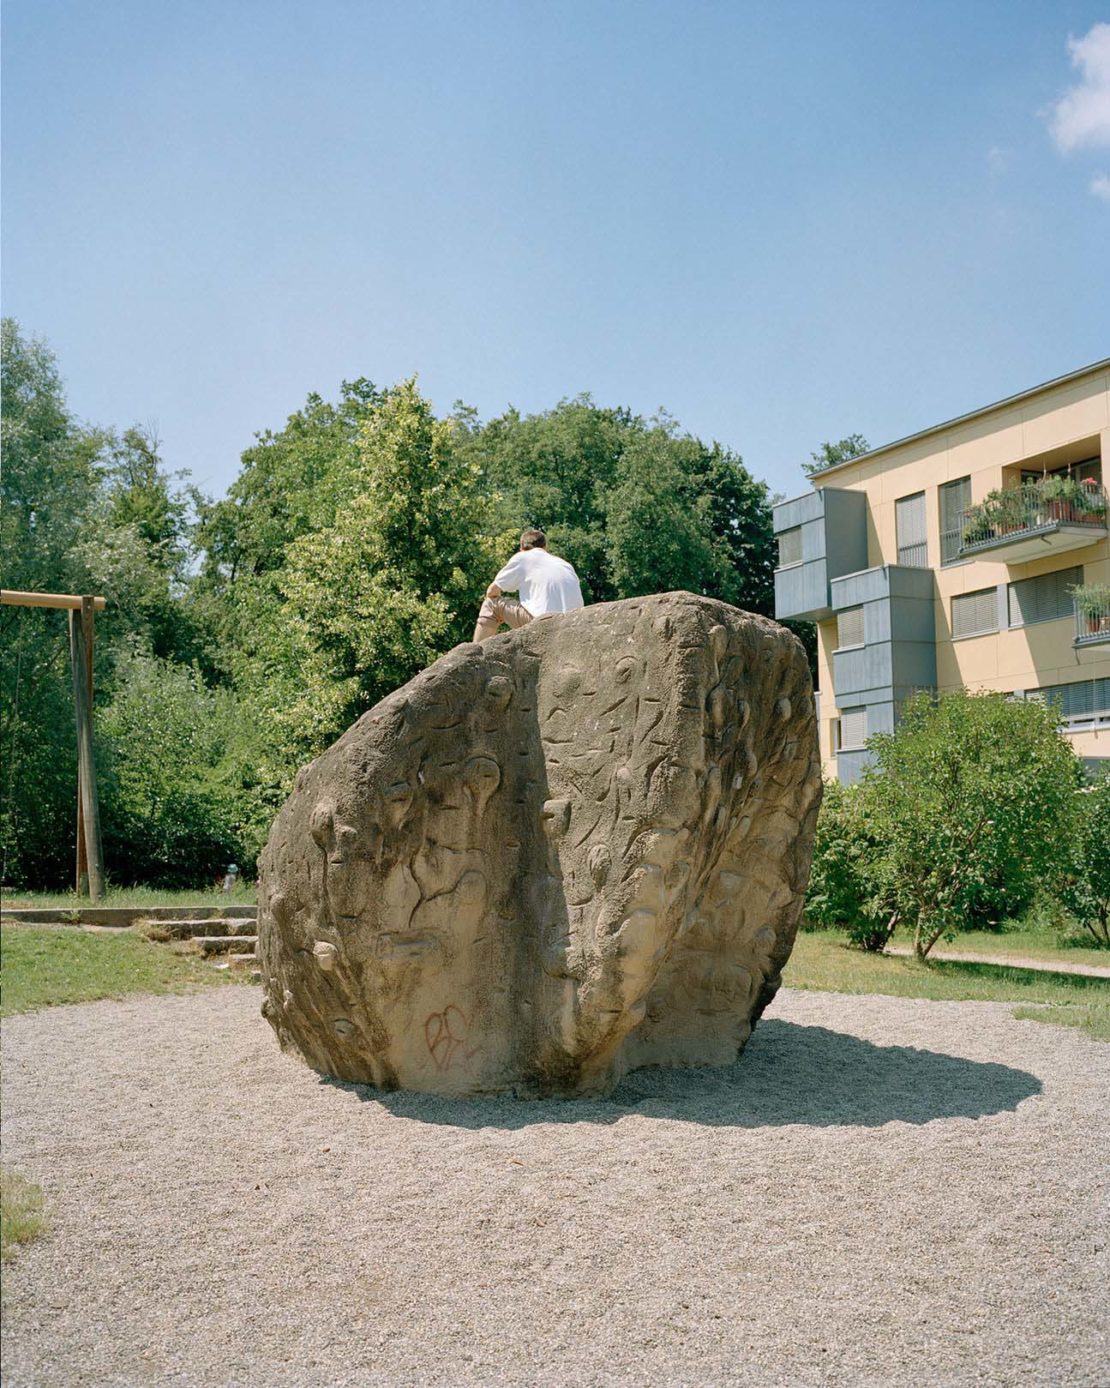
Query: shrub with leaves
843 889
171 811
972 804
1086 893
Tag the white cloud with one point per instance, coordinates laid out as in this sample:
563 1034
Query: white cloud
1082 115
1100 186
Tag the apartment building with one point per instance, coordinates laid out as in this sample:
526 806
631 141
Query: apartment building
975 554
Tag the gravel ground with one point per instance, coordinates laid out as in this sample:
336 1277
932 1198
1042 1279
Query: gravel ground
882 1192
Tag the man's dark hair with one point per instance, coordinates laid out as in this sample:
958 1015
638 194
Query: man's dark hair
533 539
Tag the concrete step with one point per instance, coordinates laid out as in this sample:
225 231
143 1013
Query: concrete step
186 929
121 915
224 944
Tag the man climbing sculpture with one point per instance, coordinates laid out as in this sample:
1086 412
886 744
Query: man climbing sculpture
545 583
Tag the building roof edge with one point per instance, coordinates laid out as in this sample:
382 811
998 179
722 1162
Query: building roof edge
1103 365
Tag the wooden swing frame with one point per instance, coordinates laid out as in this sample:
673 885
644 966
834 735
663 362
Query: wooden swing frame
90 853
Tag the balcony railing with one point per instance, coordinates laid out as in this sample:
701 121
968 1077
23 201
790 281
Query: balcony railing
1092 616
1035 510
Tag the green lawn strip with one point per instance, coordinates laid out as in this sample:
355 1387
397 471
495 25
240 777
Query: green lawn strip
1022 944
823 962
1095 1021
43 967
131 896
21 1214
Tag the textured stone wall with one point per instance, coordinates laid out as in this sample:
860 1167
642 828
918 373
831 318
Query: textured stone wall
574 849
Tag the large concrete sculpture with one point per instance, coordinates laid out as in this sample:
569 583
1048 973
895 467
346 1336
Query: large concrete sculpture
574 849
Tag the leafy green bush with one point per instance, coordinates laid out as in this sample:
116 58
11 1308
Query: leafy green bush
841 887
1086 892
172 814
971 803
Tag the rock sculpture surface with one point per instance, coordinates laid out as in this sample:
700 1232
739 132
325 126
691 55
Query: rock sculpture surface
575 849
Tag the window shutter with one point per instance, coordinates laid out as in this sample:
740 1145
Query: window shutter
790 547
975 613
909 524
853 727
849 627
1044 598
954 498
1079 699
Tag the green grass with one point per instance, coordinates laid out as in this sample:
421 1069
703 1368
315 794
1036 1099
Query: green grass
42 966
243 895
21 1214
1026 943
822 961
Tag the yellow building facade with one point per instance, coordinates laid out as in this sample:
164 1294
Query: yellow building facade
975 554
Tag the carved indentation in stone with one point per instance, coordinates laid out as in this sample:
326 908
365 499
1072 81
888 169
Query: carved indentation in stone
481 777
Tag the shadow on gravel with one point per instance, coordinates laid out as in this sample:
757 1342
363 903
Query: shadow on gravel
788 1074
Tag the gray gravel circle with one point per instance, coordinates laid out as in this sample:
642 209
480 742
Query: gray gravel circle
881 1192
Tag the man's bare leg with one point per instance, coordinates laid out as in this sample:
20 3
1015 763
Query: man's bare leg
496 612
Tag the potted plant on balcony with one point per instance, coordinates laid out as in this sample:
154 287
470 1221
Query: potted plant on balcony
1068 499
1092 603
1094 498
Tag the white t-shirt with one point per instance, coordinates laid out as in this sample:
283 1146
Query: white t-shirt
545 582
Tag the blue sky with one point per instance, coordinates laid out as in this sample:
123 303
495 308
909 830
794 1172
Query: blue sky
783 222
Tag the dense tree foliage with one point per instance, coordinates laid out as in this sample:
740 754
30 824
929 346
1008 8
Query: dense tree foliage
829 454
1086 890
971 806
82 511
243 635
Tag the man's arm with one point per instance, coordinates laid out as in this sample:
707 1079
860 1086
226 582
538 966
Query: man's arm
493 592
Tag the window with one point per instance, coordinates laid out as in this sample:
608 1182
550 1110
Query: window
790 547
975 613
1043 599
849 628
1080 701
954 498
853 728
909 525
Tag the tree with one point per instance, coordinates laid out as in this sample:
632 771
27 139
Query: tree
970 800
660 532
364 603
555 470
173 815
83 511
829 454
845 889
636 506
1086 893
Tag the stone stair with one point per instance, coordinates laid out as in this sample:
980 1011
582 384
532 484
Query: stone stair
227 942
224 935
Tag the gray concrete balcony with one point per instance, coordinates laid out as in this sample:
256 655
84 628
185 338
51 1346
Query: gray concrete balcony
821 535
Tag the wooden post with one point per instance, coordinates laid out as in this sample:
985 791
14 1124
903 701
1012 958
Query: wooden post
80 654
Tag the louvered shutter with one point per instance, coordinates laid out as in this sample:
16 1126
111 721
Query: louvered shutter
909 524
790 547
1079 699
1044 598
975 613
853 727
849 627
